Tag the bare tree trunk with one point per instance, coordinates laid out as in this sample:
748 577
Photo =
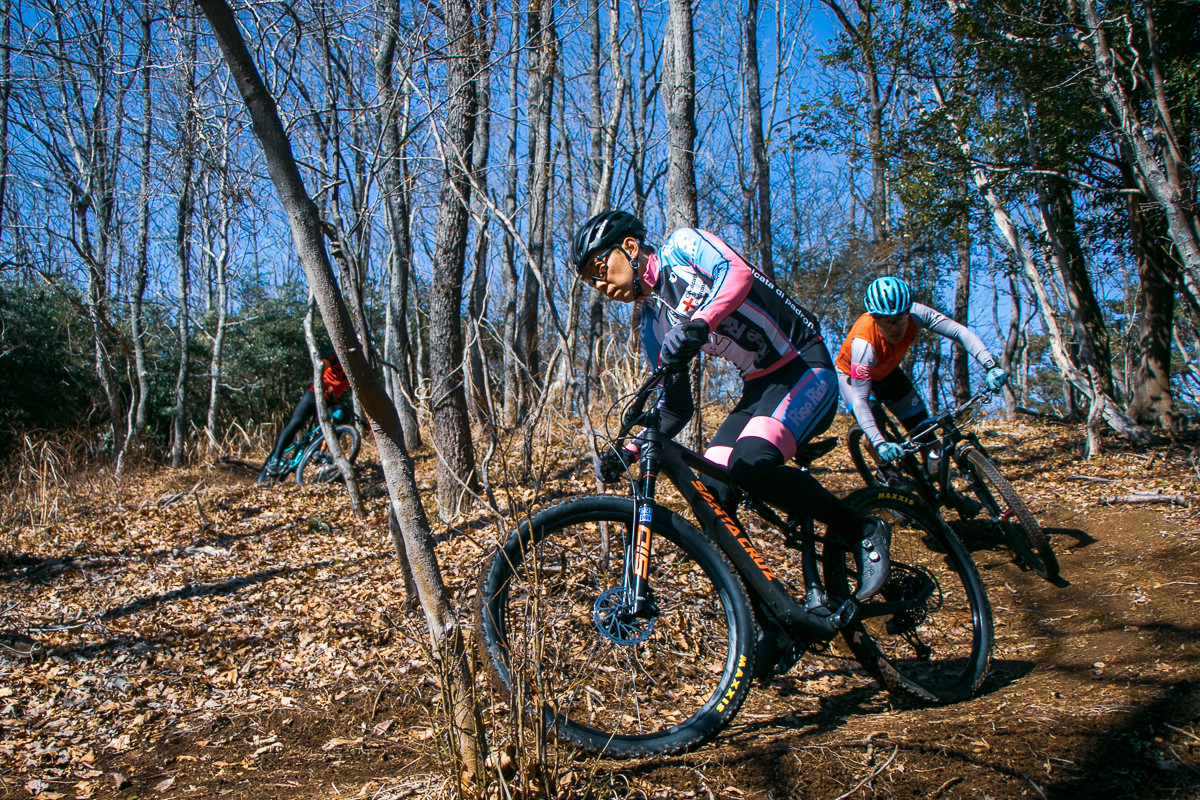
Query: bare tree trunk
451 424
479 394
327 428
679 103
142 270
863 34
1153 400
1057 212
220 260
1011 344
5 93
183 247
543 55
509 323
393 113
445 629
960 367
758 146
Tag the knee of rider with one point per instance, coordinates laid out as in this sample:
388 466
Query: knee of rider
749 465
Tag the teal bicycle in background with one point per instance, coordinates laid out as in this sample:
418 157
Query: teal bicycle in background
310 459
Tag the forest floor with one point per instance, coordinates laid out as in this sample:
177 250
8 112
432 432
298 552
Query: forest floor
189 634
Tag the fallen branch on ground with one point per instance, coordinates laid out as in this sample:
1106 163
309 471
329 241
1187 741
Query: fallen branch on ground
1146 497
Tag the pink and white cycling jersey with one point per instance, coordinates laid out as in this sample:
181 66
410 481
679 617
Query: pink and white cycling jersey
753 324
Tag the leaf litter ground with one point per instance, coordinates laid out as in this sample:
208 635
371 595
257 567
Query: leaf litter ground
189 634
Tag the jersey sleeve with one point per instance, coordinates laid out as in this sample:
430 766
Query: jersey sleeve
731 277
856 393
942 325
862 361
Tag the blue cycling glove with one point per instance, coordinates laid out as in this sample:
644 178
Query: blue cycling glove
995 378
890 451
682 343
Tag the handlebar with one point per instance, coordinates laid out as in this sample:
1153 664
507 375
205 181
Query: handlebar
637 407
911 445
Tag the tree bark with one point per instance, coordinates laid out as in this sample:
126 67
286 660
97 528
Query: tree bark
1152 399
445 629
393 113
448 401
679 103
183 247
960 366
142 268
758 148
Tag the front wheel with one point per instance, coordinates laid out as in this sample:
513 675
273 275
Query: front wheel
1007 510
936 647
662 683
317 464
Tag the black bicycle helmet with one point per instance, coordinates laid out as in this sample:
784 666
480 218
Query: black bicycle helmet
606 229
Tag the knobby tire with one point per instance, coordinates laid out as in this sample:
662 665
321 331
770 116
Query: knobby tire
317 464
672 692
939 651
1008 511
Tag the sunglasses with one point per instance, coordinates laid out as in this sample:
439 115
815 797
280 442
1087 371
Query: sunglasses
599 267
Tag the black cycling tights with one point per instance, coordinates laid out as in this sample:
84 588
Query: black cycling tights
306 408
757 466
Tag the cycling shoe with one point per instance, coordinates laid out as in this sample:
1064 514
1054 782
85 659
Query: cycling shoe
872 558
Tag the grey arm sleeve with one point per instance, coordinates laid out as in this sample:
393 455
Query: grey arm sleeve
940 324
857 395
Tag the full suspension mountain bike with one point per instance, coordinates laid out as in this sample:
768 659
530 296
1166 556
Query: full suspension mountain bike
628 630
310 458
956 466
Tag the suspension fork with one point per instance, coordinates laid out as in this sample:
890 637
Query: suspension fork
638 547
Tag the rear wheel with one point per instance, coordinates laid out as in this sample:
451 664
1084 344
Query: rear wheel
317 464
1008 511
554 637
936 647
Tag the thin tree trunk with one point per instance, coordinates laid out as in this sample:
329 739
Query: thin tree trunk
960 367
183 248
679 103
479 394
758 147
1152 398
221 266
393 113
328 433
445 629
448 401
508 263
142 270
5 93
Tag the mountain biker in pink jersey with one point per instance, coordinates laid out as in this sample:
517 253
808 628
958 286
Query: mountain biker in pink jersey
869 360
701 295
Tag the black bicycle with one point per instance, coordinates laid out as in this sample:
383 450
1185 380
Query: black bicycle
628 630
945 466
310 458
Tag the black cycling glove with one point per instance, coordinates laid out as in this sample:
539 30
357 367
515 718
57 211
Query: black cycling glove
682 343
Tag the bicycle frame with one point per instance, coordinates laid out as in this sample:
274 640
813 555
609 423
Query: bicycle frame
813 619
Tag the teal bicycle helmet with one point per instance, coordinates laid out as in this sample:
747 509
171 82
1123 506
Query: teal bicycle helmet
888 296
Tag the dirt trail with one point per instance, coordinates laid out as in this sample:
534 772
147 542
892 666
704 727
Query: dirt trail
193 635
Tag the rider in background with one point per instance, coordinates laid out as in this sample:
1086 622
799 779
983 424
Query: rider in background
869 360
701 295
335 384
